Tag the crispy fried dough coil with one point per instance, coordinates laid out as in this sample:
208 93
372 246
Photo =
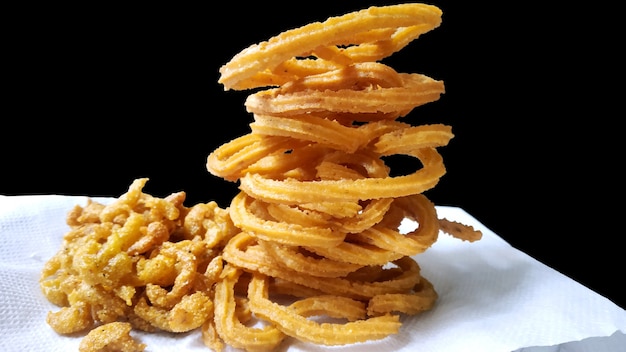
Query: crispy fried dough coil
381 29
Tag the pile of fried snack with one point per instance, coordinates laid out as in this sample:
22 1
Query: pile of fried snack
311 247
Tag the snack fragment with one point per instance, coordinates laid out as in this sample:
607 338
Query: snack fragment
311 246
111 337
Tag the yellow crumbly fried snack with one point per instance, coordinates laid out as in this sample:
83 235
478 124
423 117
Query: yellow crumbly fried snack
142 259
111 337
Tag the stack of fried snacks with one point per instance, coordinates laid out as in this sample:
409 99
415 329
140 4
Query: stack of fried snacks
319 212
311 246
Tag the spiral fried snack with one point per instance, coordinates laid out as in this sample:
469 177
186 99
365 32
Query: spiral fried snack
318 210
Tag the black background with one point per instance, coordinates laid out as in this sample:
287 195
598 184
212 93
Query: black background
98 96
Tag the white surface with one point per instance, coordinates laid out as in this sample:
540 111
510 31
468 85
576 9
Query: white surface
492 297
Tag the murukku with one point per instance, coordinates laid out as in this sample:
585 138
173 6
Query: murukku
347 30
281 232
228 325
415 90
422 298
291 191
296 258
311 128
244 251
293 324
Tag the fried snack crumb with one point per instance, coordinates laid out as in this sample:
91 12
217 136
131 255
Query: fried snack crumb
111 337
459 230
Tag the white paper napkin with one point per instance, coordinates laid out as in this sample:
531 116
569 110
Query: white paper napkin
492 297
